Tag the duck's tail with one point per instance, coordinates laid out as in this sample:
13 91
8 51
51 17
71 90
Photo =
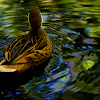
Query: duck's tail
19 66
4 69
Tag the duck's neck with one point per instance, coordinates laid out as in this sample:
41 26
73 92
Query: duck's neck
36 32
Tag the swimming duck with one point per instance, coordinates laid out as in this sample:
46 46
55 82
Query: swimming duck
28 50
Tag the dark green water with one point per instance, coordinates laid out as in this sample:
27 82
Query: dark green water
74 30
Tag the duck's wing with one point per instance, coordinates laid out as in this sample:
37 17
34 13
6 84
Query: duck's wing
20 45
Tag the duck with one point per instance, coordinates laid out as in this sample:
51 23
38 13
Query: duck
30 50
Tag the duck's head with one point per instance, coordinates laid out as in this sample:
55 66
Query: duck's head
35 18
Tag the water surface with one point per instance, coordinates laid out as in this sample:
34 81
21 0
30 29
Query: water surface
74 30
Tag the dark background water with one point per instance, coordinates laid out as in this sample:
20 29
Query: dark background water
74 30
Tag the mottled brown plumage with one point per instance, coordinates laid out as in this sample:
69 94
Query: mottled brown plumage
29 50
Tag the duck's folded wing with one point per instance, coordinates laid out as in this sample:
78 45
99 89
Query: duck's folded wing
17 47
